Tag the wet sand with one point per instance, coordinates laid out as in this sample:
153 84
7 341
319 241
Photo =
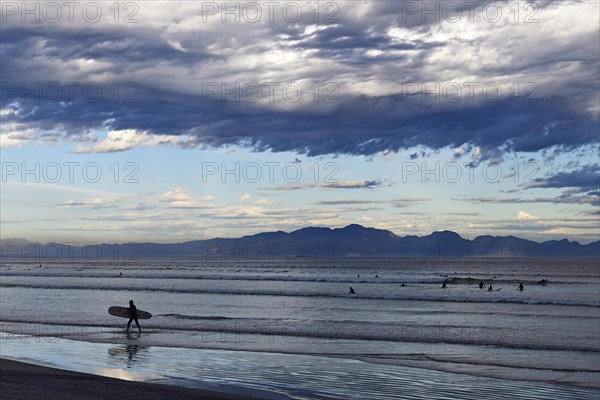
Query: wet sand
27 381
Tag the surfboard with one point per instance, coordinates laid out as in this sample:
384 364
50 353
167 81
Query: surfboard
123 312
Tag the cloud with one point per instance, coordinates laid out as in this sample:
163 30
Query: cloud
364 63
89 203
13 135
538 226
584 179
335 202
565 198
367 184
464 214
112 201
594 213
126 139
179 197
266 202
131 216
395 202
244 197
523 215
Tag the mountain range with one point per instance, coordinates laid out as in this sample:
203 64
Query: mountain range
351 241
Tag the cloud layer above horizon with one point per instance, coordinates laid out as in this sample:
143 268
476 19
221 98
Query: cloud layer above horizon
355 78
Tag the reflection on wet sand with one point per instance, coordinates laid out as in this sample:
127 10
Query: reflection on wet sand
128 353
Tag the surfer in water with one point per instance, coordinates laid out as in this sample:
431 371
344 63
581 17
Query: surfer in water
481 285
490 289
444 286
520 286
133 316
351 291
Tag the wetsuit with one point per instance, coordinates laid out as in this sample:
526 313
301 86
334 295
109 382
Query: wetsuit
133 317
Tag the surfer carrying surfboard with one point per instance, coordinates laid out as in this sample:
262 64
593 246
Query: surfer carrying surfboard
133 316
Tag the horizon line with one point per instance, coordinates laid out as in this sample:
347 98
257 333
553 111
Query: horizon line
297 230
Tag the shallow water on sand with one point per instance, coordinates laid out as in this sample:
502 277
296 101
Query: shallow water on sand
271 375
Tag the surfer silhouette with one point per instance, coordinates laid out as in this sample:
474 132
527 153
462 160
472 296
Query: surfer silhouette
352 291
520 286
490 289
133 316
481 285
444 286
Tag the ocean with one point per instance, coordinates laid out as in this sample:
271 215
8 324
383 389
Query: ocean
288 328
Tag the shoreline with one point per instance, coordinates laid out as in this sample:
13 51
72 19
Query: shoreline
21 380
65 369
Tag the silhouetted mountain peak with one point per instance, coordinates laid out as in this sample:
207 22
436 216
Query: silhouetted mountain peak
354 227
267 235
445 235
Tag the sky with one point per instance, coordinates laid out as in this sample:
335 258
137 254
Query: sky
173 121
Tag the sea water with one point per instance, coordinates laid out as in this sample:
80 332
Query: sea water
300 313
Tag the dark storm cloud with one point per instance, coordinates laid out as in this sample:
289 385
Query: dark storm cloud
21 48
90 44
348 45
584 179
168 99
357 126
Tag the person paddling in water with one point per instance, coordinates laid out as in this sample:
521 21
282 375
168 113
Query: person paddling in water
133 316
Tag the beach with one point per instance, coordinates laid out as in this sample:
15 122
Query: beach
20 380
288 329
